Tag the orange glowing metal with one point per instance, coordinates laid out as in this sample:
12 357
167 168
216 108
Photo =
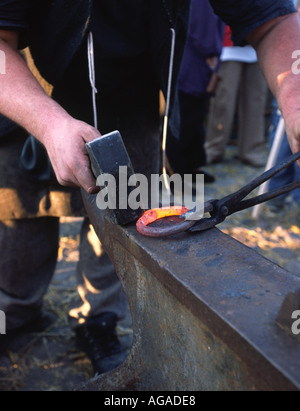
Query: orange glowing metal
151 216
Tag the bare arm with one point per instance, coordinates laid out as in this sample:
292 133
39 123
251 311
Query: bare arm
24 101
275 43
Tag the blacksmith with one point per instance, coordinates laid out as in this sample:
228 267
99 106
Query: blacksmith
132 42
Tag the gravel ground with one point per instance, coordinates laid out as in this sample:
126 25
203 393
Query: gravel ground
50 361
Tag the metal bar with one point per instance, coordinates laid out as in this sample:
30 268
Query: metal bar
204 311
271 162
166 117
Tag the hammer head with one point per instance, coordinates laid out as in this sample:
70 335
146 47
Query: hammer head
107 154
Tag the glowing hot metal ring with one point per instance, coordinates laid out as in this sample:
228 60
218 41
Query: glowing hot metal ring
151 216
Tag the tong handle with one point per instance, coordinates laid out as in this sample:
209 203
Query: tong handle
251 202
233 199
235 202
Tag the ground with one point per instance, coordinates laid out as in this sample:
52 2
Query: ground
50 361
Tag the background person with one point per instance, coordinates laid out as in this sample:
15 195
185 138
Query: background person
197 81
243 90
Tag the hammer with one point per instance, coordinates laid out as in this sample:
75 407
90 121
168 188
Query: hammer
107 154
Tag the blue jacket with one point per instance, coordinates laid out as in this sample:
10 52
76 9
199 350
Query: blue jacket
205 39
245 16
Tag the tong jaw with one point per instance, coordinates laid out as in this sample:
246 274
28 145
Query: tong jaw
219 212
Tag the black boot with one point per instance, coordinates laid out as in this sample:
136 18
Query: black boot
99 340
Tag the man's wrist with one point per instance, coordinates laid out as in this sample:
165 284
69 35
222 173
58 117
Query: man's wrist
51 118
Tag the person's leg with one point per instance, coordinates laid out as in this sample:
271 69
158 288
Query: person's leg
285 176
296 193
189 153
251 115
99 289
28 244
99 306
221 111
186 153
27 264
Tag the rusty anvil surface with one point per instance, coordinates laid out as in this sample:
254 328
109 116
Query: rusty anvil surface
203 308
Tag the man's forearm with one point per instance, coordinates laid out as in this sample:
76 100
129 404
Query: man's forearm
23 100
275 44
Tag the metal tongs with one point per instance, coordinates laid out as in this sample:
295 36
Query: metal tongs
219 210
